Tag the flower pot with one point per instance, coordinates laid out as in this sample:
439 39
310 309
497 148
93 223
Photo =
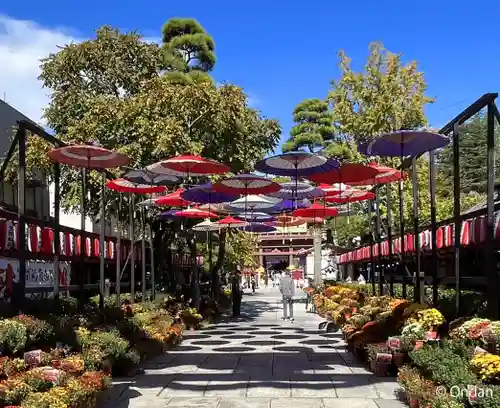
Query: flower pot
381 369
398 358
413 402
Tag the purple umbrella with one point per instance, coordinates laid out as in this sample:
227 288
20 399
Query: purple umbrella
205 194
258 227
295 190
257 216
403 143
287 205
168 215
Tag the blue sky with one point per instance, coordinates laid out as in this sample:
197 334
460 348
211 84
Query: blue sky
283 52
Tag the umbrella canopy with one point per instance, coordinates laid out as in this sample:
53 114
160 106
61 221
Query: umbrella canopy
252 202
143 176
205 194
258 227
349 196
173 199
244 184
289 222
166 215
257 216
403 143
347 173
384 175
206 226
125 186
287 205
316 211
295 164
297 191
231 222
87 156
195 213
150 202
188 165
333 189
220 208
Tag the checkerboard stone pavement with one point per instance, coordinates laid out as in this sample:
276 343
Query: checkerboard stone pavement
256 361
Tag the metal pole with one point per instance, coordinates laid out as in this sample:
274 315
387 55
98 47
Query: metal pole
102 225
118 253
317 255
21 208
143 251
132 248
153 271
417 281
379 244
434 256
402 235
456 215
491 273
83 238
389 235
372 257
55 227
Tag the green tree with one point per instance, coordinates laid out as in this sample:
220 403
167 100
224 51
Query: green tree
313 126
473 163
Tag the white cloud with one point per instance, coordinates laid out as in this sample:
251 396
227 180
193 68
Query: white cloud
22 44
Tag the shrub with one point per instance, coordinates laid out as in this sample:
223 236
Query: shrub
13 335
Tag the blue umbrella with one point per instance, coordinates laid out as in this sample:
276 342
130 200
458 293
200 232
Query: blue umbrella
403 143
142 176
168 215
287 206
258 227
297 191
257 216
296 164
205 194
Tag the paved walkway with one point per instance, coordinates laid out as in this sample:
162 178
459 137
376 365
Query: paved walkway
258 361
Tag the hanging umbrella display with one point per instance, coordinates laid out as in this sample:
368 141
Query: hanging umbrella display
188 166
259 227
207 226
143 176
168 215
252 202
148 202
205 194
246 184
287 206
258 216
231 222
219 208
284 221
122 185
296 164
89 157
333 189
172 200
297 191
384 175
347 173
350 195
403 143
195 213
316 211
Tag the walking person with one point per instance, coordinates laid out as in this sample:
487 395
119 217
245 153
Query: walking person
287 289
237 294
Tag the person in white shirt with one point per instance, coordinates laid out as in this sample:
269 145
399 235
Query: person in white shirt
287 289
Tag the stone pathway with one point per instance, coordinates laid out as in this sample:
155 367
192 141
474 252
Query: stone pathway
257 361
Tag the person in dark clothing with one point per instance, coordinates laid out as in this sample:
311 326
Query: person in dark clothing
253 285
237 294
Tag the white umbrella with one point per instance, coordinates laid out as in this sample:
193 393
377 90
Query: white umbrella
207 226
251 202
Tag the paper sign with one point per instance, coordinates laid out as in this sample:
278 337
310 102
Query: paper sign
33 358
394 343
479 350
51 374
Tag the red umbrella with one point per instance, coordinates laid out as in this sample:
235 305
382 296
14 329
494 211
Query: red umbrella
230 222
173 199
350 196
124 186
189 165
333 189
347 173
384 175
316 211
287 221
247 184
195 213
90 157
